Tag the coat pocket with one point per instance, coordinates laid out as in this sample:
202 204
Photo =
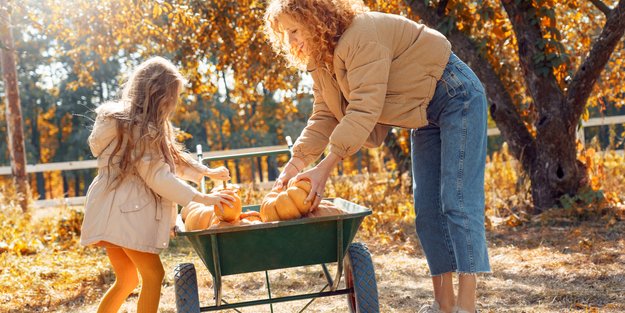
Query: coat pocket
134 196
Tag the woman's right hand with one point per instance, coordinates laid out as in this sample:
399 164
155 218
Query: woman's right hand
288 172
218 199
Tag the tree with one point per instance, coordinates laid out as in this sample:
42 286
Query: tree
538 59
538 114
15 132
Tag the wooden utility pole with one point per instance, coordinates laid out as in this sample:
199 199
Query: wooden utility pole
15 130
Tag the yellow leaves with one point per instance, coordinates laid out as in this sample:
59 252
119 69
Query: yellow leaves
500 33
547 22
42 262
157 11
181 136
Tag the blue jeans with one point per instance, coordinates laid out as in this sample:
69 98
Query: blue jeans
448 160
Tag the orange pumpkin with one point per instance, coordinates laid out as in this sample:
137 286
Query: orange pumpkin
187 209
298 192
199 219
268 208
217 223
286 204
250 216
326 208
229 214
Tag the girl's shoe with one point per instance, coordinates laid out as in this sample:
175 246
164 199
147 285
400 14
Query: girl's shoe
459 310
431 308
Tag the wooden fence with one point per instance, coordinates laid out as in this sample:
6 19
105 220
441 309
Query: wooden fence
87 164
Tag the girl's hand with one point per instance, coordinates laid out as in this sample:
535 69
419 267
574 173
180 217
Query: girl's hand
218 199
289 171
218 173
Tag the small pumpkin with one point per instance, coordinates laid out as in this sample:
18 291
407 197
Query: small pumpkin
184 212
217 223
199 219
326 208
227 213
268 208
251 216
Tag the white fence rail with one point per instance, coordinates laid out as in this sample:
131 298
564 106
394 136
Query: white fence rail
86 164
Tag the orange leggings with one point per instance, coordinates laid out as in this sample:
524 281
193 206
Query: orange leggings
125 263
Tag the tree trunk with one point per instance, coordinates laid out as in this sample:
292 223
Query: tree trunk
15 129
272 169
237 170
401 158
549 157
77 178
554 170
259 164
65 184
36 139
253 171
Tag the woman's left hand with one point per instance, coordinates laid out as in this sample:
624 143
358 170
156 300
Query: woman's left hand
218 173
318 177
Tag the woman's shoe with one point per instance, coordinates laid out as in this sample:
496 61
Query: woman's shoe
431 308
459 310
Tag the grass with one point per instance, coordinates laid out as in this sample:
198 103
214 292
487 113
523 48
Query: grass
564 260
538 266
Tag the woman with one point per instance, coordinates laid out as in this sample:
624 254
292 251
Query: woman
372 71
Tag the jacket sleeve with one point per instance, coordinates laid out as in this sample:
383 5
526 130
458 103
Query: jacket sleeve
194 171
367 67
103 133
377 136
315 137
158 176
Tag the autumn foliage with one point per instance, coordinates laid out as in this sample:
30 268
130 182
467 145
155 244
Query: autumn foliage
73 55
29 243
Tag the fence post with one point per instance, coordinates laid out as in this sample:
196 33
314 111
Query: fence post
580 135
198 149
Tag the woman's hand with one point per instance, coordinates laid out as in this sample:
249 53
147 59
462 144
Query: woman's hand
318 177
218 173
289 171
218 199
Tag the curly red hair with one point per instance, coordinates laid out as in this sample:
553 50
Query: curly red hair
326 20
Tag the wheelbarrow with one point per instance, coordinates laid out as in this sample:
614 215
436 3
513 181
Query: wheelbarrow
278 245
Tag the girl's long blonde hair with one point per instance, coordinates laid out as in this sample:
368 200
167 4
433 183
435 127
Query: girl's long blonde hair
326 20
148 100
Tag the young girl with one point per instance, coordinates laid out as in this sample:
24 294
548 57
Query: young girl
131 204
372 71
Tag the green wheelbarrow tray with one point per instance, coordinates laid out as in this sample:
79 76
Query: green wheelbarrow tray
278 245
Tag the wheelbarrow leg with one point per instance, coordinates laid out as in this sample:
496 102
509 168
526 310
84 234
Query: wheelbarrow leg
339 253
268 290
217 277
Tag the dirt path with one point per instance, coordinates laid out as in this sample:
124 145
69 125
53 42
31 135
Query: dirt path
557 268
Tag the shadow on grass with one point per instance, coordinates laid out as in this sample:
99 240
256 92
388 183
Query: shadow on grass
555 291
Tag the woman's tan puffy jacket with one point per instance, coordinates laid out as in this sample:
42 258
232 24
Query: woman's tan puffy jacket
385 72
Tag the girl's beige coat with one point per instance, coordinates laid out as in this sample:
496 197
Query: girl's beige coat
130 215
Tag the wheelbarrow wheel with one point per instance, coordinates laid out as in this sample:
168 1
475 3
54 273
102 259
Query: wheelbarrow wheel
360 276
185 286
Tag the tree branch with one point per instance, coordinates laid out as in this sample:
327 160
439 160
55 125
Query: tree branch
602 7
441 7
538 74
587 74
502 109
